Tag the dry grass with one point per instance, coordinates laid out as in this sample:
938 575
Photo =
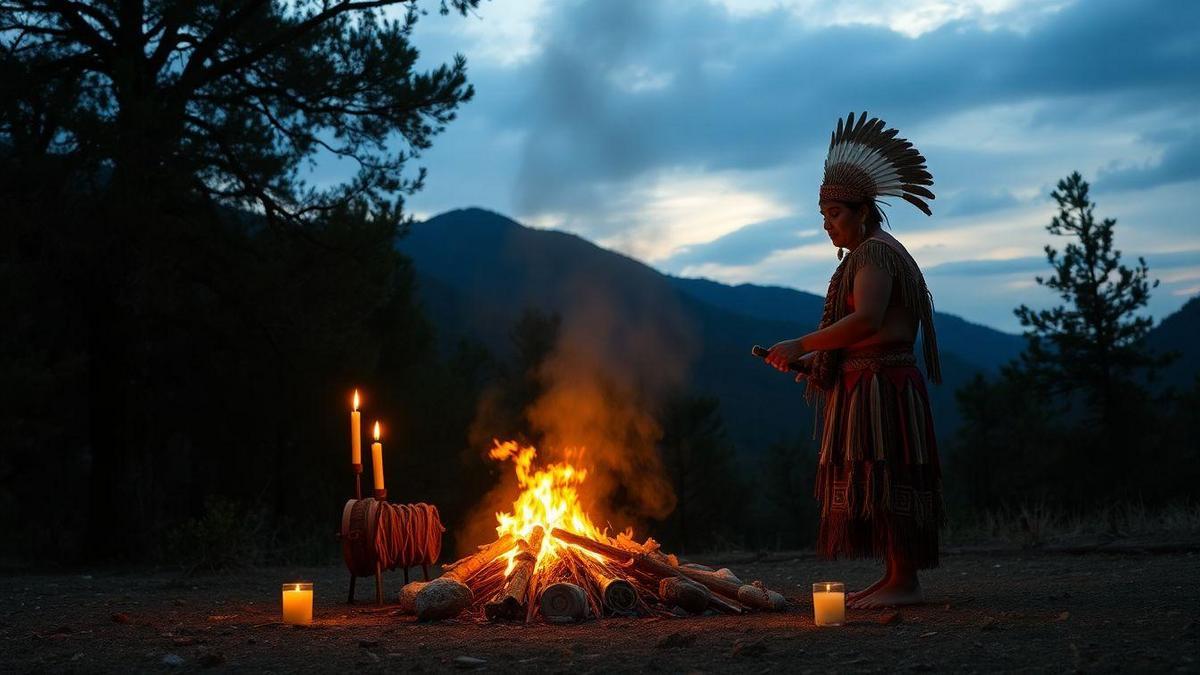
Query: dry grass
1038 524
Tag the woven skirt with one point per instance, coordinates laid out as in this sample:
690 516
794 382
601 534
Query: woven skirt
878 479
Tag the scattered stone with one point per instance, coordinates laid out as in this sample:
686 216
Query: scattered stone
778 602
749 648
890 618
121 617
728 575
929 634
407 598
441 599
677 640
469 662
172 660
212 660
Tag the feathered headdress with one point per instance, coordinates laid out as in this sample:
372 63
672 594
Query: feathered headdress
866 162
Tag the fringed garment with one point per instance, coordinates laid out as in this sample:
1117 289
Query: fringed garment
878 478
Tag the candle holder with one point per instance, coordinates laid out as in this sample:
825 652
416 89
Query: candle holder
357 480
297 599
829 603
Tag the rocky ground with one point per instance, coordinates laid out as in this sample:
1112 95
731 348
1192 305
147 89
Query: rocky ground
1133 612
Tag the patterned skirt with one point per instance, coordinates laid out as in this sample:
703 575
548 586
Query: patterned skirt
878 479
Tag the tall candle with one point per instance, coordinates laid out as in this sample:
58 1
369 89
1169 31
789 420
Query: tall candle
829 603
355 433
377 459
297 603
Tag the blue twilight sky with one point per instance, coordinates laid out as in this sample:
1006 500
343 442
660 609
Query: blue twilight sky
690 133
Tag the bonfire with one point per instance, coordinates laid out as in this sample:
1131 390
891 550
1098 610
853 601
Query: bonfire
550 562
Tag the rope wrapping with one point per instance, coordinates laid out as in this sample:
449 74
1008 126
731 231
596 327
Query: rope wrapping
408 535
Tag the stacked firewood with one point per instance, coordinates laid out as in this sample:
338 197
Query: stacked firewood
584 578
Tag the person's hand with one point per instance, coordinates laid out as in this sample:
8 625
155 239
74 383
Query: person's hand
806 367
782 353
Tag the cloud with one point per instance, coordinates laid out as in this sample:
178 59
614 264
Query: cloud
989 267
785 83
746 245
662 129
1179 161
973 201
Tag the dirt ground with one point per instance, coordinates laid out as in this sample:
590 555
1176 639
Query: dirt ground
1017 611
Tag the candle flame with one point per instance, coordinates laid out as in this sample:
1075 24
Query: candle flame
377 431
297 586
356 400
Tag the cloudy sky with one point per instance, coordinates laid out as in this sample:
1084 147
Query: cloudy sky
690 134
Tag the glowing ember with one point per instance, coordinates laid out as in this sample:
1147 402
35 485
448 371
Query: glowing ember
548 498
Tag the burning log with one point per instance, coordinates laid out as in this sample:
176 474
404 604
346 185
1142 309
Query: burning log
656 564
689 596
564 602
462 570
618 594
510 601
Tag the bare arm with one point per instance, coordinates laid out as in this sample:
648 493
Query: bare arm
872 290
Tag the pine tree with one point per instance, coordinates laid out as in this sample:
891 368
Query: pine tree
159 120
1093 343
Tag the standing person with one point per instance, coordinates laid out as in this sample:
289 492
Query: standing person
878 478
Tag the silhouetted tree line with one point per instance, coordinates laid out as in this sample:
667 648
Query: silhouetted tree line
185 316
1079 420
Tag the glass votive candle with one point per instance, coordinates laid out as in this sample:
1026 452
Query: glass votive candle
298 603
829 603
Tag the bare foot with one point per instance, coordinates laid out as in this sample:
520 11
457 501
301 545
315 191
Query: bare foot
883 580
889 595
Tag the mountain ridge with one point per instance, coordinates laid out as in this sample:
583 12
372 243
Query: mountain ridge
478 270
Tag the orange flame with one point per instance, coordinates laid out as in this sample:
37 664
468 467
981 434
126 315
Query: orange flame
549 498
377 431
355 399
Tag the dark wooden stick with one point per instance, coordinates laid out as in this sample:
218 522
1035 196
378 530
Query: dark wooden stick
798 365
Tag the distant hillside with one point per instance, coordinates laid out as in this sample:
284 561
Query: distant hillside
1180 333
479 270
979 345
